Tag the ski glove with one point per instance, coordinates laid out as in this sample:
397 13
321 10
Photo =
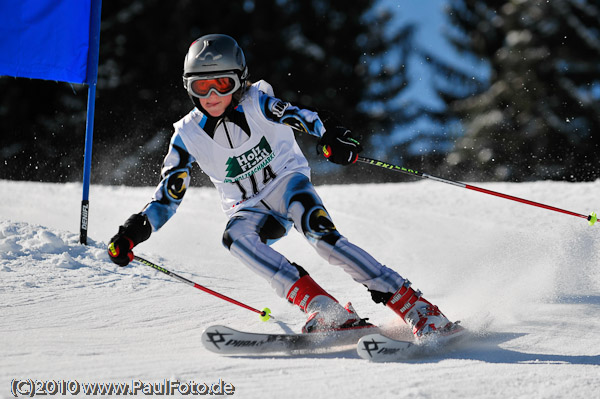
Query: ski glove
338 146
135 230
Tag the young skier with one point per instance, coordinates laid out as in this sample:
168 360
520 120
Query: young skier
242 137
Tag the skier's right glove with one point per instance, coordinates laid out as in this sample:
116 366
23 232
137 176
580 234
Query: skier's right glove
135 230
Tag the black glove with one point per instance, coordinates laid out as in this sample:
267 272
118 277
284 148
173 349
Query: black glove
135 230
338 146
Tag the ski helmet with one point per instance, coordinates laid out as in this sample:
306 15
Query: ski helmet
214 55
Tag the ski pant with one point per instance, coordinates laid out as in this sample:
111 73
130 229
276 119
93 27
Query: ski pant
294 201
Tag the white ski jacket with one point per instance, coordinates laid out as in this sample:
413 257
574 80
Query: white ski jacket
243 165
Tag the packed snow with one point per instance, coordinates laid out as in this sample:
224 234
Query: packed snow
524 280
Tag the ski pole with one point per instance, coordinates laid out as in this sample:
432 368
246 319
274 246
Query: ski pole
265 314
592 218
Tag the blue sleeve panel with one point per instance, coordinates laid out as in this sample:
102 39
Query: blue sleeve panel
173 185
298 119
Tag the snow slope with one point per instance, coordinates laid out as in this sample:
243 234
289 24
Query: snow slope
526 280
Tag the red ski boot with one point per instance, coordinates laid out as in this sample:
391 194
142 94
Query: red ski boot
424 317
326 314
334 319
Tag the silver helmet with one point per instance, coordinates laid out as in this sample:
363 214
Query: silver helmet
214 55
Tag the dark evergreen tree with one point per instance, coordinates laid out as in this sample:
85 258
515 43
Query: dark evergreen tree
537 118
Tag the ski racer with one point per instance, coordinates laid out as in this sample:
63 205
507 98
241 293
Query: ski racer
242 137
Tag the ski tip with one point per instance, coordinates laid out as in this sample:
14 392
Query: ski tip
378 347
213 336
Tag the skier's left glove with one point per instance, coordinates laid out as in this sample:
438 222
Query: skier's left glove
338 146
135 230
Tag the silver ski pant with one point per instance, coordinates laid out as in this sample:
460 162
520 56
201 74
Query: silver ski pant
294 201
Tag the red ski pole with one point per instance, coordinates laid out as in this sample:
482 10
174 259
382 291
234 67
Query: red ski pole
265 314
591 218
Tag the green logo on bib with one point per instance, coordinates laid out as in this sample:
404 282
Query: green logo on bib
250 162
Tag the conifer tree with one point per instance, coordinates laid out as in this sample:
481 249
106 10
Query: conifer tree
538 116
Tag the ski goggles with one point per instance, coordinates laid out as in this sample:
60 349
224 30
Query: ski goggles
222 85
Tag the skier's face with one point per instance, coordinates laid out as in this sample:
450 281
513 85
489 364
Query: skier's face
215 105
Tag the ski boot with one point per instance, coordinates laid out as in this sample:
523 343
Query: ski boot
326 314
422 316
335 319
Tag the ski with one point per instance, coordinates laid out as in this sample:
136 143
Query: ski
380 348
228 341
